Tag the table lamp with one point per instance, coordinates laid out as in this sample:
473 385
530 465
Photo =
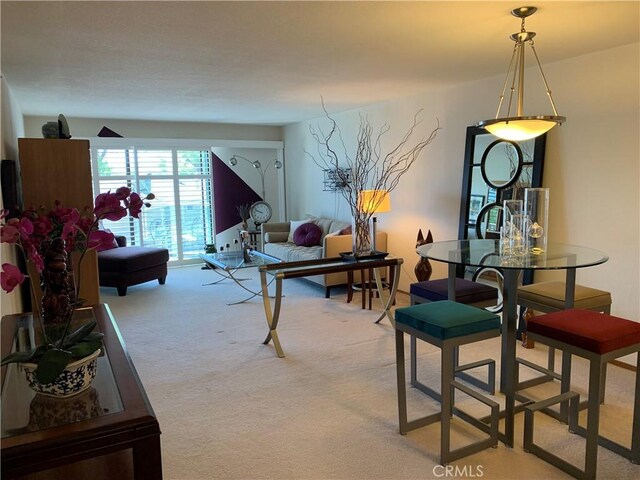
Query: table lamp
372 202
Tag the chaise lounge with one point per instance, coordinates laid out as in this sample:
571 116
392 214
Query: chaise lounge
123 266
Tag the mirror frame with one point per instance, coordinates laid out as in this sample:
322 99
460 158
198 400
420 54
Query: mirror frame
537 162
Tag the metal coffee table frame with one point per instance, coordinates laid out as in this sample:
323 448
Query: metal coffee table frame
226 264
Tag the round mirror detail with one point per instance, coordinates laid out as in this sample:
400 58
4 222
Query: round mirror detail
489 221
501 163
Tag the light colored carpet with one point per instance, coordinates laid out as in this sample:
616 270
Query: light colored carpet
230 409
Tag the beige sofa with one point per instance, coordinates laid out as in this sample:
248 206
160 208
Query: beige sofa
275 240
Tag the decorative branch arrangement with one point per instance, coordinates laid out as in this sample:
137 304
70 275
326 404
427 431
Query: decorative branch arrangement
368 169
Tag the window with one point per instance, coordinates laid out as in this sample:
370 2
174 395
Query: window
181 216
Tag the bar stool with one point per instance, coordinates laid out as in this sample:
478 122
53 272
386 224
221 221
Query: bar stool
467 292
599 338
470 293
550 297
446 325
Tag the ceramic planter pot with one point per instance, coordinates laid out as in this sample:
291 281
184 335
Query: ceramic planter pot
76 378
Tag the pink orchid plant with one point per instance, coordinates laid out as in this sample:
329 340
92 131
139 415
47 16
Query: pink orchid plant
31 231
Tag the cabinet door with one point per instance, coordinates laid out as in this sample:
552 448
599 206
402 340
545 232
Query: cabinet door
50 170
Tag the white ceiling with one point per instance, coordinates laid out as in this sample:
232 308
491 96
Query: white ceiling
270 62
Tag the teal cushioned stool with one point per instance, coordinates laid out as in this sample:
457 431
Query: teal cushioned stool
468 292
446 325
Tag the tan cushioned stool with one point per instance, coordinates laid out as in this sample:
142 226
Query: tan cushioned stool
551 294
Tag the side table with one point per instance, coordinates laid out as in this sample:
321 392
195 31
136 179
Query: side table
367 285
254 236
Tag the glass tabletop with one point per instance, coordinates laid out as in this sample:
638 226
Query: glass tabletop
234 260
479 253
329 265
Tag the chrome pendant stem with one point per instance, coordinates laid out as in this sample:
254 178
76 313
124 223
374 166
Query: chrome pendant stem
520 107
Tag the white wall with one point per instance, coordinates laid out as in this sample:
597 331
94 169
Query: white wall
12 128
89 127
591 165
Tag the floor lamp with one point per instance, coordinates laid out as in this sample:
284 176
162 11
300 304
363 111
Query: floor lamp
373 202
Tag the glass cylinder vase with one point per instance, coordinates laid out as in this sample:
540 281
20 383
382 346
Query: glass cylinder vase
509 208
361 236
536 206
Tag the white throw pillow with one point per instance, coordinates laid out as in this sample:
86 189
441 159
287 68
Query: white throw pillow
294 225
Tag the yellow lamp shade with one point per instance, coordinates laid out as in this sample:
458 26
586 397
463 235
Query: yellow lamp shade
374 201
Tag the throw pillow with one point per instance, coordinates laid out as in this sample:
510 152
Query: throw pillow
307 235
294 225
345 231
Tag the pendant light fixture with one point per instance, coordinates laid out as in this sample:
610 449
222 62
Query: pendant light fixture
521 126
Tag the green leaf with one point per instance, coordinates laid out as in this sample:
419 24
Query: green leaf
51 365
84 349
24 357
80 333
94 337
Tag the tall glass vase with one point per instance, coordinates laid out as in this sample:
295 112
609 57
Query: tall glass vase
536 206
361 235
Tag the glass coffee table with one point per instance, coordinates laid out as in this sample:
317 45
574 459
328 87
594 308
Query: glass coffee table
226 264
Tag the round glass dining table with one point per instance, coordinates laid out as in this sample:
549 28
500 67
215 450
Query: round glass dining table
486 253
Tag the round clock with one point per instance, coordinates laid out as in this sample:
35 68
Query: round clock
260 212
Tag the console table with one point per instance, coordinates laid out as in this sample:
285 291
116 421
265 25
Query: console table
281 271
40 433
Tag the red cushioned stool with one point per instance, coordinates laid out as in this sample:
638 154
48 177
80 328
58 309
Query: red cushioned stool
599 338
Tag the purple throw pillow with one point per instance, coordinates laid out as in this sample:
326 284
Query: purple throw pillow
307 235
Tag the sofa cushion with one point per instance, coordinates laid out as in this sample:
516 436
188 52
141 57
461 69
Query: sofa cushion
290 252
307 235
271 237
131 259
324 224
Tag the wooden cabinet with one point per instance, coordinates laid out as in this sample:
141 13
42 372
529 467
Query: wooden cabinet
50 170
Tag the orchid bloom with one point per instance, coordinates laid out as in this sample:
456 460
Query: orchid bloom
100 240
10 277
78 230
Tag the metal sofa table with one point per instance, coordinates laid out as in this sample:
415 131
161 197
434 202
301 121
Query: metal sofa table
281 271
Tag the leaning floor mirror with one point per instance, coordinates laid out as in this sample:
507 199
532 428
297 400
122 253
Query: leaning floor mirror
495 170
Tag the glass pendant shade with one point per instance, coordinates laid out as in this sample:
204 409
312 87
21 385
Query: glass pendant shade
520 128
